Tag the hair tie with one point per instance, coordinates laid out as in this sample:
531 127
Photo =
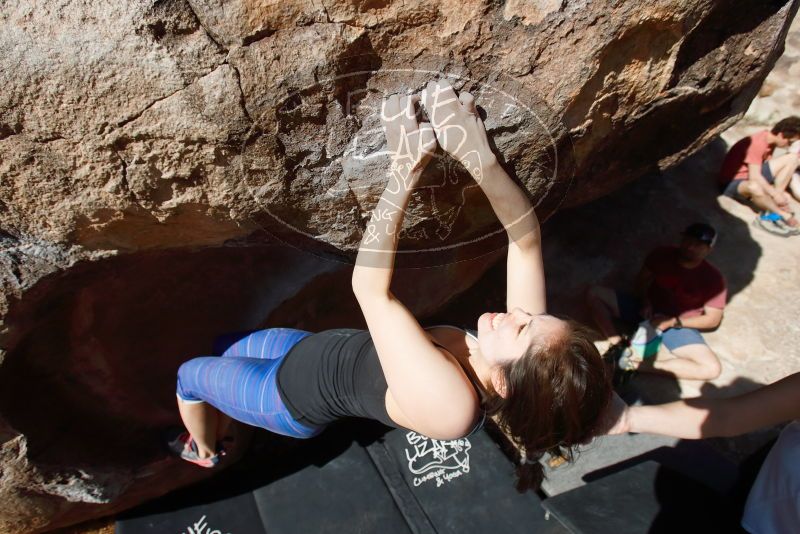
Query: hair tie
525 460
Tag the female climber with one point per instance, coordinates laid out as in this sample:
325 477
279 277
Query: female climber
539 376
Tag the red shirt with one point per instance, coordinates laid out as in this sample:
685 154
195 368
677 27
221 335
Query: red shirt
677 290
754 149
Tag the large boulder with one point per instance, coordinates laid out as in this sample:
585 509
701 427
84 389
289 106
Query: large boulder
173 169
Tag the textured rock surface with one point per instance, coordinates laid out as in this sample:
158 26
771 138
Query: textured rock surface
778 96
145 147
177 123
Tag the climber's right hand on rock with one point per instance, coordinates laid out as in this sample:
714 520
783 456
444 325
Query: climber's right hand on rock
459 129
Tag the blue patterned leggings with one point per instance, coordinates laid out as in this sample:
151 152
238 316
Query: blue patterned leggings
243 382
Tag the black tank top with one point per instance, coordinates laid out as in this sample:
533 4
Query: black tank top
335 374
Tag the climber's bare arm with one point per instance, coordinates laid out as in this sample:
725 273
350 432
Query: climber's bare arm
427 391
410 146
461 133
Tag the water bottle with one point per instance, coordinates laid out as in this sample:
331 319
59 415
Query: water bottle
646 340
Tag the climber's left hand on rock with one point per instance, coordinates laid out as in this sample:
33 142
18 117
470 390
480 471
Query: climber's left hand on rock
411 143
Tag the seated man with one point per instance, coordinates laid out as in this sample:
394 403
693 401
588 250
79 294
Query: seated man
750 173
680 293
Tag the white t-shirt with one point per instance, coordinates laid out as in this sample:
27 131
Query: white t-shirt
773 506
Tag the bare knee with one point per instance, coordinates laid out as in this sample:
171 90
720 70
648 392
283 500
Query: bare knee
705 364
711 370
709 366
753 190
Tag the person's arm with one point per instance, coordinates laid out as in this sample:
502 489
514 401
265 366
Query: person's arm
708 320
428 389
706 418
712 313
461 133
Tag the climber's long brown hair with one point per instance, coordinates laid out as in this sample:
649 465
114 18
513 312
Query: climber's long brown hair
556 395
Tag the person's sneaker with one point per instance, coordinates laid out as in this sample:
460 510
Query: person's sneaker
773 226
769 216
791 229
182 445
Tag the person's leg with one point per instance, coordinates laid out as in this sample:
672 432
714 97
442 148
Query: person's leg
270 343
778 172
782 168
202 422
756 194
692 362
207 425
244 389
794 186
684 354
604 307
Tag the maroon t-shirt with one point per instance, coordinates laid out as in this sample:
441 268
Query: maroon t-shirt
677 290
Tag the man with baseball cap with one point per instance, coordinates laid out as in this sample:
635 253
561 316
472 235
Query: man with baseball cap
681 294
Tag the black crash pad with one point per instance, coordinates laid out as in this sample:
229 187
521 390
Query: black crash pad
457 486
234 515
355 478
645 498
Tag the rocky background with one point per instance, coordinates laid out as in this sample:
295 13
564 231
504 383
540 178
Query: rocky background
172 170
